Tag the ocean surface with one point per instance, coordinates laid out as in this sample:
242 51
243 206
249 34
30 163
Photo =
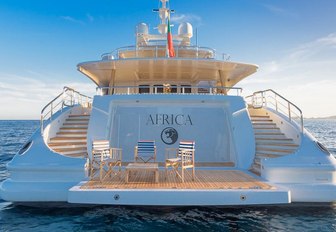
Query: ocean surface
295 217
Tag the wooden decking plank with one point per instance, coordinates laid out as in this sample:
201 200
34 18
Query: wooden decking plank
204 179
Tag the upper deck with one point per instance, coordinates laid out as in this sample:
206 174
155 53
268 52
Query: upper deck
163 58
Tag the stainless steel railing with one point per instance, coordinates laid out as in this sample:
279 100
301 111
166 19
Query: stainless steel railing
271 99
68 97
159 51
164 89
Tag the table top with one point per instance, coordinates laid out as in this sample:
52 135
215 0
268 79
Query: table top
142 166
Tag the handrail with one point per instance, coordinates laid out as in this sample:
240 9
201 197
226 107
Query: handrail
164 89
277 102
211 53
68 97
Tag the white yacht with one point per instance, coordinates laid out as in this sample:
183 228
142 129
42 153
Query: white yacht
165 93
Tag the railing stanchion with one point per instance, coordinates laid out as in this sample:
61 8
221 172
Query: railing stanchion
289 112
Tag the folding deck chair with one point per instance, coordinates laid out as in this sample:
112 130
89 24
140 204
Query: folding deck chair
104 159
183 157
145 151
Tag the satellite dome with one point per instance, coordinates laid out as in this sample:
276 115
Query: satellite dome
185 29
142 28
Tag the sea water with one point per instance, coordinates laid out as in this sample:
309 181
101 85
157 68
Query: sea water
293 217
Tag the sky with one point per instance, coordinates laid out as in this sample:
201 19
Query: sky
293 42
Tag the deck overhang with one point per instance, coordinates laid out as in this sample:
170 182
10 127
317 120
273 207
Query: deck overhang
160 70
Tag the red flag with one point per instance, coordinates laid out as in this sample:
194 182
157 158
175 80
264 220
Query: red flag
171 52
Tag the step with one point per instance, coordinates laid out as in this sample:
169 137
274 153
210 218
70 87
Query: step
70 133
70 153
269 134
263 123
62 146
275 139
267 156
265 126
261 120
70 129
259 116
76 123
66 143
79 127
75 154
74 127
275 150
78 154
271 137
79 115
276 143
289 146
68 139
271 153
77 120
267 131
254 169
65 150
257 160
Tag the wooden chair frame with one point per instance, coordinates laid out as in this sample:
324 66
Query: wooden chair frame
182 157
105 160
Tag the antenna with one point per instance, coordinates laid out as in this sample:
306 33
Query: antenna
164 13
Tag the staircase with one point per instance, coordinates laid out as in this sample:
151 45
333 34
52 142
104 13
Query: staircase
271 142
70 140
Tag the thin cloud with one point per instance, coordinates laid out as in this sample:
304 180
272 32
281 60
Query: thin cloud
32 94
313 48
72 20
191 18
279 11
305 75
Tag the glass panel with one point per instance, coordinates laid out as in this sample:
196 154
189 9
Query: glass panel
143 88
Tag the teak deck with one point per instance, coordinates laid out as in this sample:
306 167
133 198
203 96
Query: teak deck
204 179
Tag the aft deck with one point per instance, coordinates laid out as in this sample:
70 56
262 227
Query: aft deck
204 179
219 187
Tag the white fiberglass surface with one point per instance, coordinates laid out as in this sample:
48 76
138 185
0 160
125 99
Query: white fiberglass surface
168 124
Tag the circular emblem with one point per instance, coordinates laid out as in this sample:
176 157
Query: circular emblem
169 135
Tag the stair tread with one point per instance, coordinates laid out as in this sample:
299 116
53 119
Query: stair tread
71 132
66 143
68 138
267 156
70 149
261 153
275 139
74 128
259 116
79 115
274 150
266 128
268 133
278 144
74 123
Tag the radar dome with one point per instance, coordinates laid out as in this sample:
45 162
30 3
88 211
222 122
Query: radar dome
142 28
186 30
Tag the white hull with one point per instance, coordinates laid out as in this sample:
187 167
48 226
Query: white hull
182 197
41 175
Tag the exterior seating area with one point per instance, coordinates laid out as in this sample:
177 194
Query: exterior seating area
107 161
